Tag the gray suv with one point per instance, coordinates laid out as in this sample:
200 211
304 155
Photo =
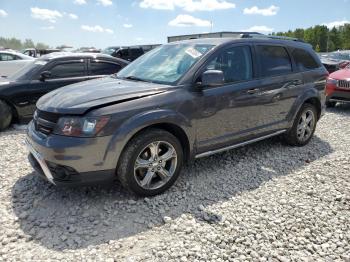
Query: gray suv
178 102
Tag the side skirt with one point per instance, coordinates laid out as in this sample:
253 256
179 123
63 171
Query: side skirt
209 153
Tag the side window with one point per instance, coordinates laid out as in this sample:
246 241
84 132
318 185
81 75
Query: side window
136 52
235 63
103 68
304 60
124 53
69 69
274 60
7 57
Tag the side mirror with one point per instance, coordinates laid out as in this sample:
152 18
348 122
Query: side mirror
44 75
212 78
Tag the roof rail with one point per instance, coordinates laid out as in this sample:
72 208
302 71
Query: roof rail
261 36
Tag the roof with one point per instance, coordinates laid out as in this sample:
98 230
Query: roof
226 40
58 55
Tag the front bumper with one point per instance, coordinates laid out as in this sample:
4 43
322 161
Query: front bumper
335 94
69 160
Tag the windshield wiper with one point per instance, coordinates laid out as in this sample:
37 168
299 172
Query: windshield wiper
135 78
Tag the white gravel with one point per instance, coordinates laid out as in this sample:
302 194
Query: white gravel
263 202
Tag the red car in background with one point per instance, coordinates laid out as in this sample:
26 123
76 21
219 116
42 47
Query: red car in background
338 87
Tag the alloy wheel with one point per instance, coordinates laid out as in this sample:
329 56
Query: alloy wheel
155 165
306 125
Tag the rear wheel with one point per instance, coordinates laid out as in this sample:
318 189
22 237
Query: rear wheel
5 115
151 162
331 104
303 127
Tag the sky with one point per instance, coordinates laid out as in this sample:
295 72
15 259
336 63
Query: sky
102 23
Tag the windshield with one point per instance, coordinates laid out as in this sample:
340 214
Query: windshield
26 72
109 50
165 64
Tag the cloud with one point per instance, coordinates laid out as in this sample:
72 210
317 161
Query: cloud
96 29
79 2
259 28
270 11
3 13
188 5
45 14
127 25
51 27
105 2
187 20
73 16
336 23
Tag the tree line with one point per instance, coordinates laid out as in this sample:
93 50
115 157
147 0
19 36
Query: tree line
322 38
16 44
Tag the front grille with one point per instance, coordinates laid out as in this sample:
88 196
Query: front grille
45 122
343 84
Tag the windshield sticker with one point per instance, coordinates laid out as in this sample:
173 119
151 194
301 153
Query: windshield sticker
193 52
40 62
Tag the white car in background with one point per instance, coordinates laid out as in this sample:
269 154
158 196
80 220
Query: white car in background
12 61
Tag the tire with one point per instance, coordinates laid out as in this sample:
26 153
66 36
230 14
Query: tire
5 115
150 175
331 104
293 136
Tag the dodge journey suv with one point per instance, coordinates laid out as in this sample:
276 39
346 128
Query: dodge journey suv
178 102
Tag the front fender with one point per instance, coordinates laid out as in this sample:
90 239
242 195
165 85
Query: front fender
138 122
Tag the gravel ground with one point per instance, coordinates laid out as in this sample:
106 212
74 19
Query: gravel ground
263 202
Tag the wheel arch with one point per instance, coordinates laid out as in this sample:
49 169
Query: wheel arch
15 116
311 96
168 120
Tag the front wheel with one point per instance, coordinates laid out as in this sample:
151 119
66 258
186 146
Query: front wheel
303 127
151 162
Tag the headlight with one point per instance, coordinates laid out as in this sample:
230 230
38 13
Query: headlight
332 81
80 126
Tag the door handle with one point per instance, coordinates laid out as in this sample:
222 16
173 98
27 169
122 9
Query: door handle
253 91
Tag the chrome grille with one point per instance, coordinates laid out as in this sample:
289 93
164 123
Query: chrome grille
45 122
343 84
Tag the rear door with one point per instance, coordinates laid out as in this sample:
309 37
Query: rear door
278 84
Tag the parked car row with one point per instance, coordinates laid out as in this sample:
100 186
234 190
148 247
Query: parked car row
181 101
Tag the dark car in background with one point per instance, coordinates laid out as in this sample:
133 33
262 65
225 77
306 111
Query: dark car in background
178 102
20 91
129 53
338 87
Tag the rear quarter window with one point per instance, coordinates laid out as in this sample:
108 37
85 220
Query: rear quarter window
273 60
304 60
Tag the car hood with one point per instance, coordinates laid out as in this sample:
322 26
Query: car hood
81 97
343 74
